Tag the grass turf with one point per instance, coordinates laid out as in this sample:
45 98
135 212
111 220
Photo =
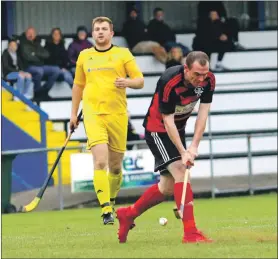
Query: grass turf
242 227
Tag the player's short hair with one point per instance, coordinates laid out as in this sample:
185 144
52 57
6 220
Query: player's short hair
102 19
156 10
199 56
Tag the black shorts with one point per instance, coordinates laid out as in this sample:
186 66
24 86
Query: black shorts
163 149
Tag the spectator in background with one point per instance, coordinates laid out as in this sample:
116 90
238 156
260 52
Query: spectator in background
58 55
34 56
135 33
80 43
175 57
12 68
211 37
231 24
160 32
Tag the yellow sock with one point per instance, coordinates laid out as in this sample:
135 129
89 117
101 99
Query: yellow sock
102 190
115 181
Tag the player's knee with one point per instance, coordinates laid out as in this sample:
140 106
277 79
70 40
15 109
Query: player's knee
115 170
179 177
100 165
177 170
166 190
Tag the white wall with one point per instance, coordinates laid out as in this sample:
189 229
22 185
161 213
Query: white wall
228 122
224 81
139 106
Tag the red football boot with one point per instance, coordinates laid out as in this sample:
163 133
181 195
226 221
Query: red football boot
126 223
195 237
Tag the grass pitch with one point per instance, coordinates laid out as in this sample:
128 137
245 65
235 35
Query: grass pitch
242 227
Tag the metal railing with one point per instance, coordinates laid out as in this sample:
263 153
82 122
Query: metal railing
41 113
194 114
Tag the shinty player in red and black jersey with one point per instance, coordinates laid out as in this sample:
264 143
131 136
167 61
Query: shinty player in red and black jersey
176 95
177 92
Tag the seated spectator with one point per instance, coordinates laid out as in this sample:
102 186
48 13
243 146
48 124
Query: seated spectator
12 68
80 43
58 56
160 32
175 57
135 33
231 24
212 37
33 56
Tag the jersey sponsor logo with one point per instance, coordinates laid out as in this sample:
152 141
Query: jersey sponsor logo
198 91
100 68
184 109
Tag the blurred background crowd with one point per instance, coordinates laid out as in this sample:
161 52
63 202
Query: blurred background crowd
216 26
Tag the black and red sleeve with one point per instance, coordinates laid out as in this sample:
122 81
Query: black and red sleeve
207 96
167 94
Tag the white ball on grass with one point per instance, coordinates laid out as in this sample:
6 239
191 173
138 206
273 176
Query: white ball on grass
163 221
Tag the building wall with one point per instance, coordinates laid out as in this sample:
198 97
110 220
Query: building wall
66 15
180 15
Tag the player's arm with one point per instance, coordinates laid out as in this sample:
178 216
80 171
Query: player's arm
135 83
200 126
136 79
77 91
174 135
173 132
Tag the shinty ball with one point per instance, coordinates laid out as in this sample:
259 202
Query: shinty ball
163 221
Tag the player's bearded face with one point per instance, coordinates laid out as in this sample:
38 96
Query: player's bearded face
196 74
102 33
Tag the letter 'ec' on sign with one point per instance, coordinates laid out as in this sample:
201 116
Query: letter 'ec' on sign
133 163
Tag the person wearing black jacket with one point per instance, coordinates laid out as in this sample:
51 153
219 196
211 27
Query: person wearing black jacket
230 24
160 32
211 36
134 29
13 69
58 56
34 56
135 33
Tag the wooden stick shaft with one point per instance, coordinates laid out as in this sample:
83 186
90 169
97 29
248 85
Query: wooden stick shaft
186 175
184 185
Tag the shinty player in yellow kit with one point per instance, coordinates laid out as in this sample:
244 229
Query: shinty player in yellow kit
101 82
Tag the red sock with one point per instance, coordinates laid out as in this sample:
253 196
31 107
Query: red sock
150 198
188 215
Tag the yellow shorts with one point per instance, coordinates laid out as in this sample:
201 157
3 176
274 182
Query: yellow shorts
106 128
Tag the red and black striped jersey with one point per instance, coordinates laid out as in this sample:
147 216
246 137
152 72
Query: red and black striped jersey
172 95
